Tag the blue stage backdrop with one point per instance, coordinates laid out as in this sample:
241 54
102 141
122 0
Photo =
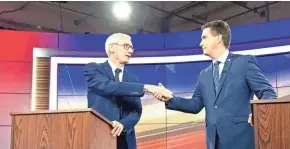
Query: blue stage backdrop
179 78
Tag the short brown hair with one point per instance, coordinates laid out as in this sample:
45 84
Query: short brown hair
220 27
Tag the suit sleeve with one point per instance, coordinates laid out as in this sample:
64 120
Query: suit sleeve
258 82
193 105
134 115
97 81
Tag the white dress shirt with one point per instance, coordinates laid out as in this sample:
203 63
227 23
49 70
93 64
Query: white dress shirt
222 61
114 67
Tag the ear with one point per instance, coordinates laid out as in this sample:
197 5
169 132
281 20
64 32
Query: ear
219 38
111 48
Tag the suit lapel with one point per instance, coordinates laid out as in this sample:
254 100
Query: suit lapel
224 73
125 76
209 78
209 73
109 71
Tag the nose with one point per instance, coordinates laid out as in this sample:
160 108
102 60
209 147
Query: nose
201 44
130 50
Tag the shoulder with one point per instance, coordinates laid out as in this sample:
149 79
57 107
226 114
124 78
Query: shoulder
132 76
94 65
241 60
244 62
246 57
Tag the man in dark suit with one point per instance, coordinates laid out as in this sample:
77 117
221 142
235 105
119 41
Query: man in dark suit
115 93
225 89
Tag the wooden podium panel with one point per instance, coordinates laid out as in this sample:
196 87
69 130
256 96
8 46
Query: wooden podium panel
272 123
63 129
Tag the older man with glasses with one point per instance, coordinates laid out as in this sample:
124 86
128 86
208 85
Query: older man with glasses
115 93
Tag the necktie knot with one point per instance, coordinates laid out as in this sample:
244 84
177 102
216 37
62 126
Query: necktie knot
117 71
217 63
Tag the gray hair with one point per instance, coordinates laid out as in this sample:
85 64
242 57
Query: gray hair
116 38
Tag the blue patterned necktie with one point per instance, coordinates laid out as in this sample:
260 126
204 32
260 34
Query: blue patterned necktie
216 75
117 79
117 74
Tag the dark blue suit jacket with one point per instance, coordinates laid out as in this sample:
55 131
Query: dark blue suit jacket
105 96
228 110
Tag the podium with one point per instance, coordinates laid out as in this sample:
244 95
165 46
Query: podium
61 129
271 123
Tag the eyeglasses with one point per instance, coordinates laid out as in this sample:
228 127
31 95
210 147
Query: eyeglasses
126 46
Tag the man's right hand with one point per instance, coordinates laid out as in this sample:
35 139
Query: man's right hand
153 88
164 97
117 128
159 92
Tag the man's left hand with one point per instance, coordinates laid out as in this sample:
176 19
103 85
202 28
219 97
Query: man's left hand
164 95
117 128
250 120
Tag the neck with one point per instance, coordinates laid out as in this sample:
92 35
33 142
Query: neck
218 53
116 62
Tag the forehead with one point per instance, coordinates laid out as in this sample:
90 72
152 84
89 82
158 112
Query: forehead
206 32
123 39
126 41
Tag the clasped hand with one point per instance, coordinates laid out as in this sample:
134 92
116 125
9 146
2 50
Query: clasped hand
159 92
117 128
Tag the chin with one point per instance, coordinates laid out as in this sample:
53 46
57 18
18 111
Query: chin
126 61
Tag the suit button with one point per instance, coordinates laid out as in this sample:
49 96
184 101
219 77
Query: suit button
215 106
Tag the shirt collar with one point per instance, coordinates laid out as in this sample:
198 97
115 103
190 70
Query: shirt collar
114 67
223 58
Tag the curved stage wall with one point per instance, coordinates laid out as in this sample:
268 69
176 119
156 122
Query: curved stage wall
185 130
154 130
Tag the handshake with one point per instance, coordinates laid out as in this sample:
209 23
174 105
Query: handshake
159 92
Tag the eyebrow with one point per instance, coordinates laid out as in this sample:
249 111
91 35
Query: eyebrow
129 44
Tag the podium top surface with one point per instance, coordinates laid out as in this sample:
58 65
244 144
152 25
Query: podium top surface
265 101
62 111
